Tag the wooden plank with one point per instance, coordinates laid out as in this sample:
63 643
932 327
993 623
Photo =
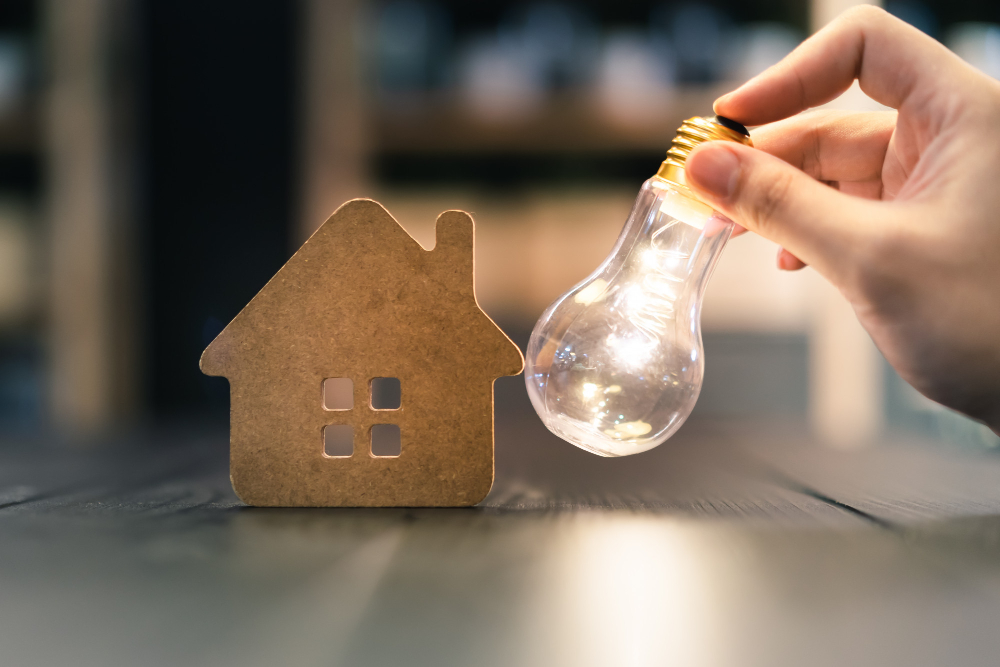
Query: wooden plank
901 480
148 561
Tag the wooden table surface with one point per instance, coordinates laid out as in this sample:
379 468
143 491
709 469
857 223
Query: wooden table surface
733 544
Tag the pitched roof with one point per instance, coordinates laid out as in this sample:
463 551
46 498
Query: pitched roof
361 281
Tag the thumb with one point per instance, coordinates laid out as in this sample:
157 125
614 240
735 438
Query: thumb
781 203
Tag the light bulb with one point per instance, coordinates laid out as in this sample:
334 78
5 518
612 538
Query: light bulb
615 365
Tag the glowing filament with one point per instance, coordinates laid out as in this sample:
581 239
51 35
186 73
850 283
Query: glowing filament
651 303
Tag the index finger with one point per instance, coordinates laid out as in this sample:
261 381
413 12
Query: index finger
831 145
890 59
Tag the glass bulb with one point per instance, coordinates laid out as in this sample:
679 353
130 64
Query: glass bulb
615 365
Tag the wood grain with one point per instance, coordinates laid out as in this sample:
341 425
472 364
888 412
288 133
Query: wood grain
701 555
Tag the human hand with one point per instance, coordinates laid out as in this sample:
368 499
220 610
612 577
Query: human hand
910 231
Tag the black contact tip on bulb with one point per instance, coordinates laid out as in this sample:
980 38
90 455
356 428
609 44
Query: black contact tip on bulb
732 125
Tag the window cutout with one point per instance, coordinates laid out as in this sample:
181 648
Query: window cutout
338 440
386 440
338 394
386 394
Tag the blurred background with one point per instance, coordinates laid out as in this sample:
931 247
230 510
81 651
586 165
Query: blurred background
160 160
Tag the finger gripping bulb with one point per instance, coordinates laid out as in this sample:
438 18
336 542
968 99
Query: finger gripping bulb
615 365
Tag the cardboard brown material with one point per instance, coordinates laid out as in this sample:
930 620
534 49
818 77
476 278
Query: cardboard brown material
361 300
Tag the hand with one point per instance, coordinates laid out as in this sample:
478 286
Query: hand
909 232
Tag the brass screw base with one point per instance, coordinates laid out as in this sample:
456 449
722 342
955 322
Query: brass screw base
692 132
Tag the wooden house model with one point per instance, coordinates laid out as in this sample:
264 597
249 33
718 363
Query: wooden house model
362 303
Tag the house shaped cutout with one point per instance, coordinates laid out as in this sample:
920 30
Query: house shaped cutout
361 300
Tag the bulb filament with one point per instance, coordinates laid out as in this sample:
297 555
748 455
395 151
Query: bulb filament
651 303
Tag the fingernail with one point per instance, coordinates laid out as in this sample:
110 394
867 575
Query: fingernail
713 169
781 260
720 100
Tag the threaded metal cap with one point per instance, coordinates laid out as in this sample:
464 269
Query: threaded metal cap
696 131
